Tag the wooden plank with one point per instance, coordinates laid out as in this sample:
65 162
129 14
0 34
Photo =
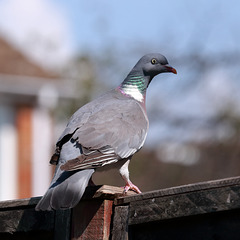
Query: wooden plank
92 192
39 235
18 220
185 204
120 223
19 215
234 181
19 203
105 192
62 227
91 219
223 225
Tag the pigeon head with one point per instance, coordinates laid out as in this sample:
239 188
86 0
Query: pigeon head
137 81
152 64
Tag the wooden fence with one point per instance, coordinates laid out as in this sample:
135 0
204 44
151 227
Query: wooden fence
208 210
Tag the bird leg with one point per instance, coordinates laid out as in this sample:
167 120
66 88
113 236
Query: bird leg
131 186
125 175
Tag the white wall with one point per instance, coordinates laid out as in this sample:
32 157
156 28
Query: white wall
42 151
8 154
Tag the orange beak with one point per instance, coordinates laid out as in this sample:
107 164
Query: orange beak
171 69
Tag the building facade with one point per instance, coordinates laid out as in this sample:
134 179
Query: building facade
27 96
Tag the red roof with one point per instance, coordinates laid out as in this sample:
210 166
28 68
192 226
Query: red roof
14 62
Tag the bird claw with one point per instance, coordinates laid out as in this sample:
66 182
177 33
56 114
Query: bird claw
131 186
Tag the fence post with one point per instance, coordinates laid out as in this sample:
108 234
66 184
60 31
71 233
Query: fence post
92 219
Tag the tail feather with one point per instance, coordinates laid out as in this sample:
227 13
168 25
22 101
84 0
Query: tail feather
66 191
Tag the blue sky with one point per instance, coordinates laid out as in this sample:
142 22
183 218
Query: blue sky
95 24
171 27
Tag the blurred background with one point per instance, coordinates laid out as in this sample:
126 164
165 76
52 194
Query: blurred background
57 55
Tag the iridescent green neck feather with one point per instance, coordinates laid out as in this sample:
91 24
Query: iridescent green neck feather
135 85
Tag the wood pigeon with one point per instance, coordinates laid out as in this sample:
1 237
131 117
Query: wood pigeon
104 133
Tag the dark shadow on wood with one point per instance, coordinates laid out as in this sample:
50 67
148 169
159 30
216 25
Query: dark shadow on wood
213 226
19 220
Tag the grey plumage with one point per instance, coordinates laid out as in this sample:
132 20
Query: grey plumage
108 130
66 188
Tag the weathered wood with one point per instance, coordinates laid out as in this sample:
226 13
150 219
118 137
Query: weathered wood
36 235
26 220
186 204
19 220
223 225
62 227
100 191
139 216
19 203
120 223
92 220
234 181
19 215
105 192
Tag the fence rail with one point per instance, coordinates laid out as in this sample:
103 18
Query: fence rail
208 210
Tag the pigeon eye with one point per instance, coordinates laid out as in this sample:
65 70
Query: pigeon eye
153 61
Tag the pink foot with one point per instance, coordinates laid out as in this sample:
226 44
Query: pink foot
130 186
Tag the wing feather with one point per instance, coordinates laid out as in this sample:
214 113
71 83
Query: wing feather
93 159
111 128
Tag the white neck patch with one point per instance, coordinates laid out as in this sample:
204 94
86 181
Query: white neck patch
134 92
